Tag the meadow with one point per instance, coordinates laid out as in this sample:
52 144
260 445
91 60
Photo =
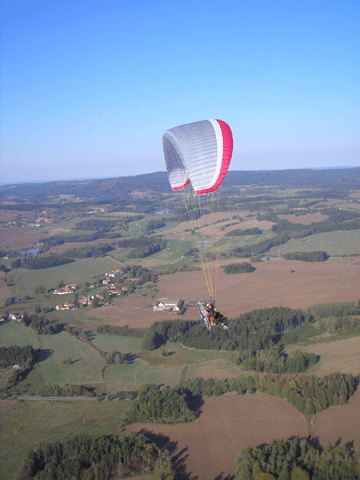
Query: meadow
23 425
334 243
14 333
86 367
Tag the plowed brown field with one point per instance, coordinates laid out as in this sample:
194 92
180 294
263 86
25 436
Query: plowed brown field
16 238
271 284
339 423
206 448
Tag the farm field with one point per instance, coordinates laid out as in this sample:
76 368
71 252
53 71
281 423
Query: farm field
87 362
340 422
226 426
334 243
336 356
14 333
17 238
79 271
271 284
26 424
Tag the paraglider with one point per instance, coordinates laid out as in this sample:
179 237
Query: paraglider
197 157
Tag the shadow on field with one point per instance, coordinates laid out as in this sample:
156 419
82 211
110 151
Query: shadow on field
178 461
44 354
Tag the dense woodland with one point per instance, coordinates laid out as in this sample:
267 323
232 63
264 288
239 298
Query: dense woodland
104 457
158 403
298 459
25 357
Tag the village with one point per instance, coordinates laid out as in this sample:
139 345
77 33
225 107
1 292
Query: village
111 283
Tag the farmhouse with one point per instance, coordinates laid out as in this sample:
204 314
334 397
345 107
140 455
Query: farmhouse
65 290
173 306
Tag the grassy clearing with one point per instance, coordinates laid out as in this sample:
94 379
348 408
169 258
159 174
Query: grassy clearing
14 333
87 362
128 377
79 271
334 243
25 425
116 342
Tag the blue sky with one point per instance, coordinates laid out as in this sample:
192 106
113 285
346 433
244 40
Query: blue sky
88 88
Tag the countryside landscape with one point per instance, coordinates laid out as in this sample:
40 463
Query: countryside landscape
101 337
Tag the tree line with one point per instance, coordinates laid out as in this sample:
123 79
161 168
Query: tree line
316 256
89 457
307 393
143 247
54 390
298 459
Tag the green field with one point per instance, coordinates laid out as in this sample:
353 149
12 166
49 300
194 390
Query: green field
181 363
79 272
128 377
334 243
14 333
23 425
87 362
116 342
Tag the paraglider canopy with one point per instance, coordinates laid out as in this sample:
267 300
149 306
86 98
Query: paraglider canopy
199 152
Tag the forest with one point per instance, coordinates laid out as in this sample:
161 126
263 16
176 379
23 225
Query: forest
298 459
88 457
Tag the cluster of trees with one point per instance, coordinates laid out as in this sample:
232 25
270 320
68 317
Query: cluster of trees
90 457
273 359
154 224
300 459
54 390
42 325
307 393
243 267
90 251
248 231
35 263
316 256
78 332
334 309
143 247
159 403
23 356
96 225
116 358
168 330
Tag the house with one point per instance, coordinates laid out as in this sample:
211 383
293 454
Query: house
173 306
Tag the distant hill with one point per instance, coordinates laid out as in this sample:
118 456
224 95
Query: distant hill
117 189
